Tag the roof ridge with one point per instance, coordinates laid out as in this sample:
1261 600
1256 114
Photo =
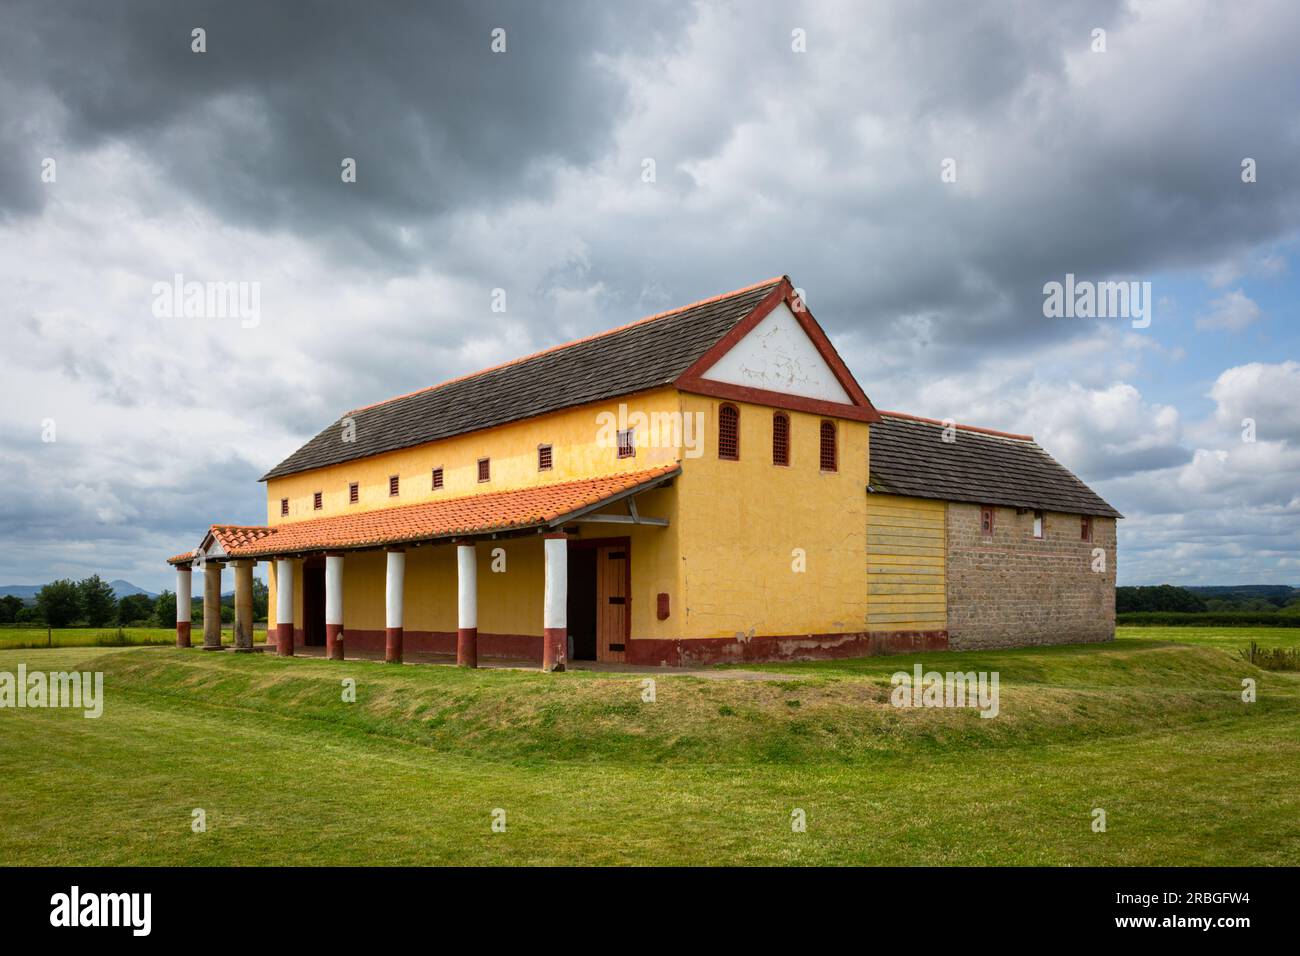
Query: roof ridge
565 345
968 428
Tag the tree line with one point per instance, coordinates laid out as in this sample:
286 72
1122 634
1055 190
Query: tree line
1167 597
91 602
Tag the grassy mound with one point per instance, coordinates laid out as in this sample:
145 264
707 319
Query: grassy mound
838 711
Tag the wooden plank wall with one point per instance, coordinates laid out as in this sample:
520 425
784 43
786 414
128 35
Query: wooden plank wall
905 564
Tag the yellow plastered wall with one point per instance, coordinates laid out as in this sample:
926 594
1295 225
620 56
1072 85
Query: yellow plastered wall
576 454
747 525
905 564
511 580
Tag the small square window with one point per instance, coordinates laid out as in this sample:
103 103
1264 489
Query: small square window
986 521
1085 528
544 458
437 478
627 443
485 469
284 507
394 486
317 501
354 493
1038 524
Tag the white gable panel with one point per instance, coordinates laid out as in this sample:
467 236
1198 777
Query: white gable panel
778 355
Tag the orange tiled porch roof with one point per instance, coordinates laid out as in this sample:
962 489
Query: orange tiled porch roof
473 514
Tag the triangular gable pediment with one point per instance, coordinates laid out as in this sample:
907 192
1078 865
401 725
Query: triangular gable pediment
778 355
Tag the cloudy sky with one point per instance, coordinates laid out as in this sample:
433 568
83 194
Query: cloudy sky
810 139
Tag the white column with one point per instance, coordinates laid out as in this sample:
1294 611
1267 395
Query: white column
393 586
284 607
334 589
555 598
184 599
466 586
393 589
284 591
466 604
334 606
184 576
555 613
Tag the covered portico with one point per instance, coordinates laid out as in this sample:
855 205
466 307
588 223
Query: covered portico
328 572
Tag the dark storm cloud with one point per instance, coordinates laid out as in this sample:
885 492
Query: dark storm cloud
256 127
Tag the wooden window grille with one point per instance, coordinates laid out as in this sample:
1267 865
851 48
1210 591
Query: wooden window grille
830 459
780 439
729 433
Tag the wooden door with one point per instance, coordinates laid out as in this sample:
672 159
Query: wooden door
611 602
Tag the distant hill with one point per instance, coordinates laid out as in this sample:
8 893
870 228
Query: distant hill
124 588
28 591
1246 590
25 591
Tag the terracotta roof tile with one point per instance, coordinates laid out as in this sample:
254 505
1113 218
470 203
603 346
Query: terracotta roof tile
184 558
232 536
473 514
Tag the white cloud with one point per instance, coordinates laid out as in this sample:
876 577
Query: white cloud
1233 311
1269 394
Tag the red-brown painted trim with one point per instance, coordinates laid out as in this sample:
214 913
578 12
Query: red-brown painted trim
558 534
692 380
182 633
392 645
799 647
675 652
516 647
761 396
555 648
284 639
334 641
467 647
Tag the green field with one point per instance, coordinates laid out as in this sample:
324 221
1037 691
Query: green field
33 637
1152 729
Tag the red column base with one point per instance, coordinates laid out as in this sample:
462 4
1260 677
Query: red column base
467 647
393 645
284 640
555 648
182 633
334 642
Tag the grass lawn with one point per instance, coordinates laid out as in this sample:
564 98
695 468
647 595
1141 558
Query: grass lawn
1151 730
1226 638
31 637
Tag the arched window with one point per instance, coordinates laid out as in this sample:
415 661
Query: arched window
729 433
829 453
780 438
